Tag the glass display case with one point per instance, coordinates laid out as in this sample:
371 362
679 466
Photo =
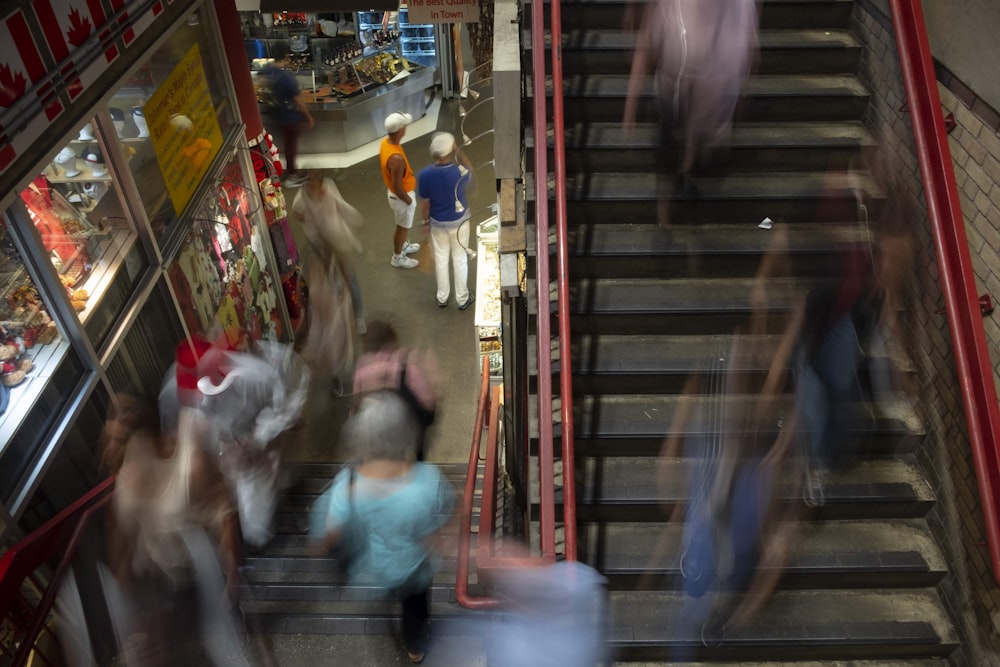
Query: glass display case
350 97
416 40
488 316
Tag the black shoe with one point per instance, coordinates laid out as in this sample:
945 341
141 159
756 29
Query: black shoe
442 304
472 297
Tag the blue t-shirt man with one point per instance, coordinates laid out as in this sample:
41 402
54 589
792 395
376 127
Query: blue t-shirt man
442 185
285 89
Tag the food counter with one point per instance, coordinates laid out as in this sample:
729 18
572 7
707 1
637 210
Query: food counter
350 97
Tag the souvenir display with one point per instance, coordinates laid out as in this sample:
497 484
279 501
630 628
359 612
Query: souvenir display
140 122
67 160
118 119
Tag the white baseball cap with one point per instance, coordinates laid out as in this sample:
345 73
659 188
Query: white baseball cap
442 144
396 121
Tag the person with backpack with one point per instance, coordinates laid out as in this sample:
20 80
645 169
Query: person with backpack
385 365
289 109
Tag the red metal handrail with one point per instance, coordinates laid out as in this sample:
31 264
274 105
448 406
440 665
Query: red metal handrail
38 548
485 557
34 631
465 526
958 282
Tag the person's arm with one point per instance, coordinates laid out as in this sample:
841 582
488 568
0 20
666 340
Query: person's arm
397 168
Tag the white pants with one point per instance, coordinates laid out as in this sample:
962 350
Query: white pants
451 243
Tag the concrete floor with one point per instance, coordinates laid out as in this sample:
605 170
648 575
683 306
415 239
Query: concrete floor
406 297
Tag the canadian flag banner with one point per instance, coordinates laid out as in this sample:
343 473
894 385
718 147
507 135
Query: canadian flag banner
21 67
67 24
139 24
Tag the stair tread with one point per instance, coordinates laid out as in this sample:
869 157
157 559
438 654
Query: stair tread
760 85
621 39
627 479
648 614
871 544
819 134
666 353
613 186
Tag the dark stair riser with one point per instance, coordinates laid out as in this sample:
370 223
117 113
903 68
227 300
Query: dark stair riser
774 15
791 60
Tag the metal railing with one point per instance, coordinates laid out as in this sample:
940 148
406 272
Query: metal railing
486 557
958 281
58 537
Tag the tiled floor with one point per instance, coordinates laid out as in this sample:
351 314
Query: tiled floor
406 297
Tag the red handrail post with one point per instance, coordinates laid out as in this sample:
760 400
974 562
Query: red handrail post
958 282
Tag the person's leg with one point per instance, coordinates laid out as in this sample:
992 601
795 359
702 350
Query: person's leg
290 134
459 239
403 216
416 615
441 244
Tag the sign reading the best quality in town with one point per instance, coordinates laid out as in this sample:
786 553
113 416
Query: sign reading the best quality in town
442 11
184 128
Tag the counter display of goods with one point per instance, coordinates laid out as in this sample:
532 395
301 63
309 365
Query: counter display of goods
488 295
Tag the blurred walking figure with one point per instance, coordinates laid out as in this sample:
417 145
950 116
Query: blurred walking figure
556 614
385 512
247 400
331 226
700 53
173 540
442 186
413 374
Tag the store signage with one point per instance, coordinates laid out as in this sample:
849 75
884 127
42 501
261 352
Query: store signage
442 11
184 128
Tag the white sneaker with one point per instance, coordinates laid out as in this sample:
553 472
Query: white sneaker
403 262
410 248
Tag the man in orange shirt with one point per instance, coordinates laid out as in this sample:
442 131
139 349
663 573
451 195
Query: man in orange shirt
400 184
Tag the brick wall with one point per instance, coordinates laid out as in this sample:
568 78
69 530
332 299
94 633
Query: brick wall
969 590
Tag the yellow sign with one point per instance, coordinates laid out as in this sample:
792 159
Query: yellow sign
184 128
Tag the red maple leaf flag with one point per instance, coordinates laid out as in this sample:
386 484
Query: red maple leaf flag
67 24
21 67
79 29
138 23
12 86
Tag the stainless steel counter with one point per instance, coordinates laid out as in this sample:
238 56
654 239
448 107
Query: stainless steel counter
343 125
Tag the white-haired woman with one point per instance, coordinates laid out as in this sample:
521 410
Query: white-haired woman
387 510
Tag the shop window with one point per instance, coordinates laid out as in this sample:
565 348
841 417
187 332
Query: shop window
171 117
223 280
32 347
80 215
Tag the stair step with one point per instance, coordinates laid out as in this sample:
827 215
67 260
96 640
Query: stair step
829 554
647 250
658 364
633 489
737 198
775 14
795 625
765 98
608 147
786 51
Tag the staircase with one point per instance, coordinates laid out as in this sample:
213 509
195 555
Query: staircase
650 304
291 590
